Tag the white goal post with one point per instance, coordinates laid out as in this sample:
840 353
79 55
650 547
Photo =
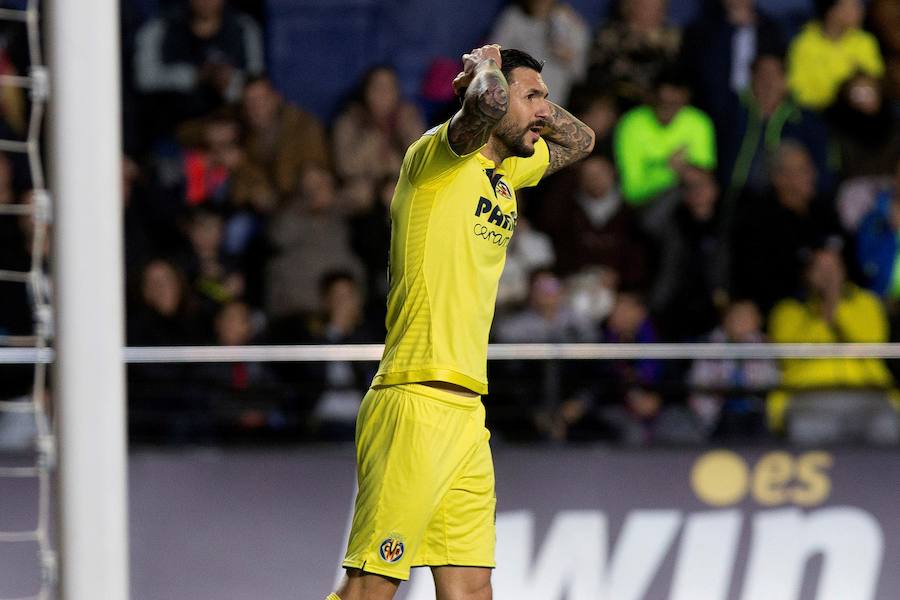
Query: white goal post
86 185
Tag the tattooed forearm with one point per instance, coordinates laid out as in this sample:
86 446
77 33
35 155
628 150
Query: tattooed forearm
568 139
485 103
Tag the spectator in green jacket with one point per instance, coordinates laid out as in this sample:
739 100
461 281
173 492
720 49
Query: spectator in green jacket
656 142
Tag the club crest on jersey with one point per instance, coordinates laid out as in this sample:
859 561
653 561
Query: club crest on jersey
391 549
503 190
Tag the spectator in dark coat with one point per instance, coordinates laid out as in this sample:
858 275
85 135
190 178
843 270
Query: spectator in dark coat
720 47
632 49
163 398
690 279
340 385
772 232
193 60
759 120
595 227
243 397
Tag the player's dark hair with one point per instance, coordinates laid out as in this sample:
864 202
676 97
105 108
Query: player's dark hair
513 59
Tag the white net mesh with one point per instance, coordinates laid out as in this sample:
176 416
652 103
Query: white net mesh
29 444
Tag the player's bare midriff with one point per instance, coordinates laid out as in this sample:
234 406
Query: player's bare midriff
451 387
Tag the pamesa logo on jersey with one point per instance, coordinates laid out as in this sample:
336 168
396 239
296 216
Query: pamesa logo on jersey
496 216
391 548
506 222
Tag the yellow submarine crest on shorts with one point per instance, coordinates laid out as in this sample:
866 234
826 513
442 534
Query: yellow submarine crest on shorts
391 549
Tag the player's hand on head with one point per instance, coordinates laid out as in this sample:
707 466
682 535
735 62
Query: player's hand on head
479 55
461 82
471 61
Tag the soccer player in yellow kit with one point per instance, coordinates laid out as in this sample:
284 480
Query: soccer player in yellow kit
424 467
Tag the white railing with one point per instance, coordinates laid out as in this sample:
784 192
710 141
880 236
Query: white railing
372 352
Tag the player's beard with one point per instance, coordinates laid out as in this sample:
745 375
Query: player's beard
514 138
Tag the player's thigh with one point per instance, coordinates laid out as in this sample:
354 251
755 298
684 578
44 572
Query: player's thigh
466 535
358 585
462 583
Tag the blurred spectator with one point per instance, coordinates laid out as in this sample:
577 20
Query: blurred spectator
220 173
16 318
193 60
599 111
833 400
7 180
728 395
370 234
310 237
721 45
760 119
630 323
623 398
644 418
372 134
547 318
771 231
690 280
865 128
164 312
878 242
138 225
215 278
595 227
241 395
436 97
281 137
528 251
341 385
13 106
164 399
554 33
519 390
831 49
630 52
639 415
884 21
220 177
658 141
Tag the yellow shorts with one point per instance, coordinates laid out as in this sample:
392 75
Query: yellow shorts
426 482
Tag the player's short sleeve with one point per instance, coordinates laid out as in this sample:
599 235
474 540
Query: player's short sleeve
431 156
527 171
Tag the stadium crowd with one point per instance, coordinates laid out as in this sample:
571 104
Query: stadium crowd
745 187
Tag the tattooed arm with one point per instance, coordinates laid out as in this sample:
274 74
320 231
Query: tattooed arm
568 139
484 104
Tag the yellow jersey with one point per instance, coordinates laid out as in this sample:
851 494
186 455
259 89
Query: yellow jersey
452 219
818 65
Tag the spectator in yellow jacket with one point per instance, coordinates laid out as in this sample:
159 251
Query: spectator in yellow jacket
830 50
833 400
